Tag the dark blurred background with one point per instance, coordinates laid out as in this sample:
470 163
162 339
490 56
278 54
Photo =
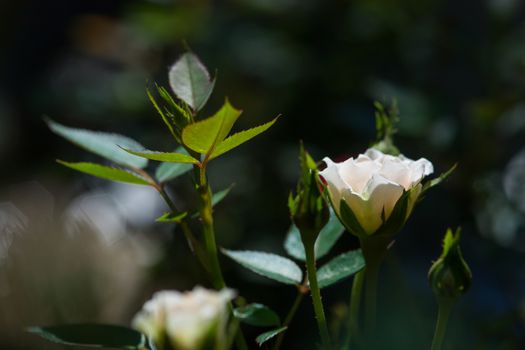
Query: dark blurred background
75 249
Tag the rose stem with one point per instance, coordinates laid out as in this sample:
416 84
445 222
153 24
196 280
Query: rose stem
444 308
289 317
316 294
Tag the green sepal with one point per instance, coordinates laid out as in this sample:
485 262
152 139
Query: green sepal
350 221
106 172
397 217
436 181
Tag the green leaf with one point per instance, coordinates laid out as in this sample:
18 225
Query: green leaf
434 182
204 135
165 118
257 315
268 265
350 220
94 335
106 172
101 143
264 337
190 81
239 138
171 157
169 217
169 171
326 240
219 196
340 267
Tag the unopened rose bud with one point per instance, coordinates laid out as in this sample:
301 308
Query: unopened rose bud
185 321
450 276
308 209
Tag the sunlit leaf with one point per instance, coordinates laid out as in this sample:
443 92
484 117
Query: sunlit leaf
324 243
264 337
94 335
106 172
268 265
171 157
101 143
257 315
169 217
239 138
340 267
169 171
204 135
190 81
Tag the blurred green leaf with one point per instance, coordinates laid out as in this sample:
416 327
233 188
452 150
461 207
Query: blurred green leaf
204 135
106 172
257 315
239 138
219 196
163 115
169 217
190 81
94 335
264 337
340 267
324 243
171 157
101 143
268 265
169 171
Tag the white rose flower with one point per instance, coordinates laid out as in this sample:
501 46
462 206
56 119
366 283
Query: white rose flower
371 185
188 320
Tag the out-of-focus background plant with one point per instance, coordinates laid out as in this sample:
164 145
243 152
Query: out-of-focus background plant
74 248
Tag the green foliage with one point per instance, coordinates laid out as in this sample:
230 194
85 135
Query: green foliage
328 236
94 335
239 138
257 315
171 157
103 144
169 217
450 276
190 81
264 337
106 172
268 265
169 171
385 128
436 181
340 267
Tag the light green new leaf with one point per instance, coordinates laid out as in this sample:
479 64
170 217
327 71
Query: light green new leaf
239 138
340 267
268 265
101 143
264 337
94 335
326 240
165 118
171 157
190 81
106 172
204 135
257 315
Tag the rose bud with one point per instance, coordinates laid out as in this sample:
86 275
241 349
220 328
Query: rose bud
185 321
450 276
375 192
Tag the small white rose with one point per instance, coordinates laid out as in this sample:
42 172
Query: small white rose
188 320
372 183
